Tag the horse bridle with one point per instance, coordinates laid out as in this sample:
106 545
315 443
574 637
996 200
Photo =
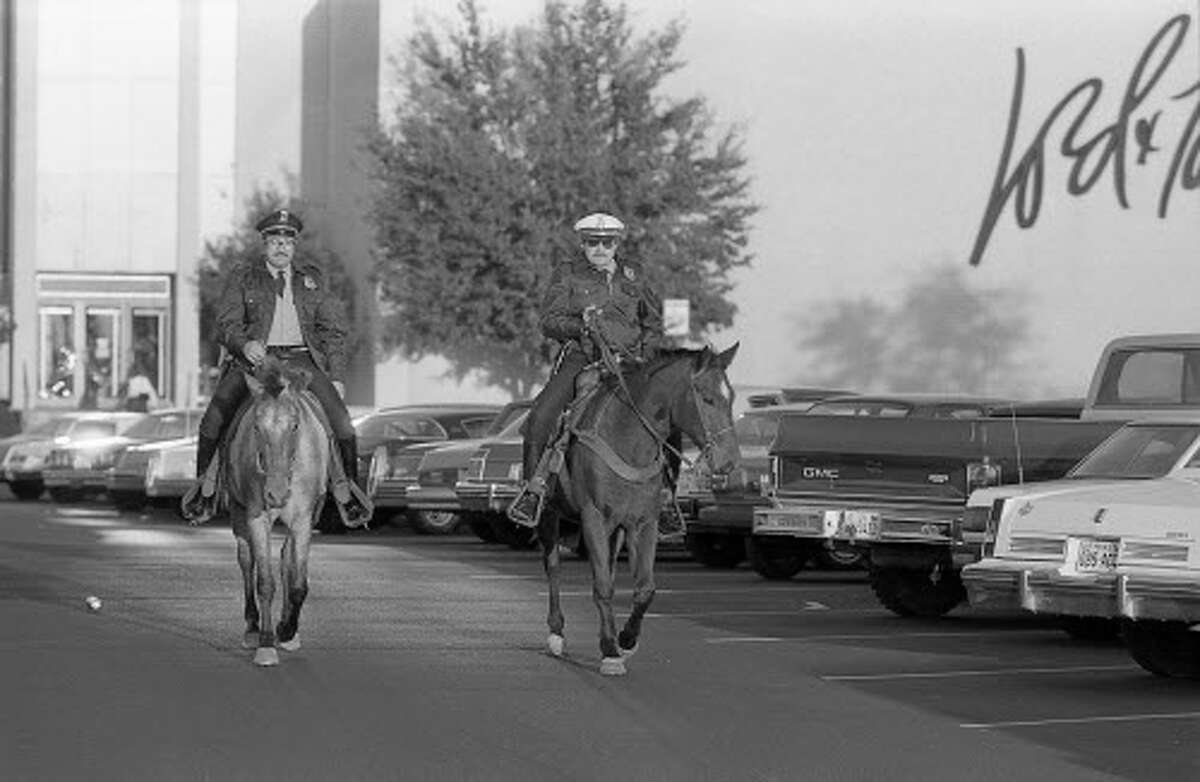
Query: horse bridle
608 357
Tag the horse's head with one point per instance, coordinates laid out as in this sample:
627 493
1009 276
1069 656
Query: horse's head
708 420
276 416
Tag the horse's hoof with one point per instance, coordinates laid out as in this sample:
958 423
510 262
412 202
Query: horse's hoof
292 644
266 656
250 639
612 666
626 653
554 645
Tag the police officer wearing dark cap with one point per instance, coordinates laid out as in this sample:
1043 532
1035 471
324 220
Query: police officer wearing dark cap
597 296
274 306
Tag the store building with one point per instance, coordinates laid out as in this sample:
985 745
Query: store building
119 144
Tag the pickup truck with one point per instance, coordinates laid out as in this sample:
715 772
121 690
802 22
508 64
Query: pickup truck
898 488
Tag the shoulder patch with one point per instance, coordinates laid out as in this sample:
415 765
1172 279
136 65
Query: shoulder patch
629 273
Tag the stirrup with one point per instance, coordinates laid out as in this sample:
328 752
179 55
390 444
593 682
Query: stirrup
523 516
354 507
196 506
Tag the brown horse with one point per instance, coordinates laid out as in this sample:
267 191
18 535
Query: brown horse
613 475
276 471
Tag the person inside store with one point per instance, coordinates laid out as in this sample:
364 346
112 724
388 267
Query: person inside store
277 306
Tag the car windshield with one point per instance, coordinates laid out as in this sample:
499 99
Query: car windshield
1138 452
164 426
756 429
51 427
502 421
862 407
92 430
514 426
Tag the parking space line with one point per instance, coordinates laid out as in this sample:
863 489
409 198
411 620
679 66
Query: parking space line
870 677
502 577
1182 715
742 639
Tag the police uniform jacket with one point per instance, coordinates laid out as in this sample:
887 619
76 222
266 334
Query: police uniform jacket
631 312
247 307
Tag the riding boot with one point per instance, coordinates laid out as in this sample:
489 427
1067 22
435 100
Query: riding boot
200 502
354 506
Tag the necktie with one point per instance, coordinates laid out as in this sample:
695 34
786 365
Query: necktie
280 282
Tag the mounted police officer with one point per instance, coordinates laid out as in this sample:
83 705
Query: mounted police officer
273 306
596 297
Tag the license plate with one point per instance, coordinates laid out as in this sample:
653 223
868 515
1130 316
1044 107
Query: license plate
860 524
1096 555
798 521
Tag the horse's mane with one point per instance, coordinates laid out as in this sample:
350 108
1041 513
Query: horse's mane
274 376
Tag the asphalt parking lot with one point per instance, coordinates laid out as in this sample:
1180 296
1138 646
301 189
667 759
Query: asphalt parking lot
737 678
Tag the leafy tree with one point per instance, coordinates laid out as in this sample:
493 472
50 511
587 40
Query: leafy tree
502 141
245 245
944 335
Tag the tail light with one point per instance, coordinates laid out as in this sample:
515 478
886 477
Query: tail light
982 474
768 481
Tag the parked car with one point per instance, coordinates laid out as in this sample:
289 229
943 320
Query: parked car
898 487
25 461
50 427
384 436
722 506
156 473
1113 541
428 473
78 469
125 480
404 425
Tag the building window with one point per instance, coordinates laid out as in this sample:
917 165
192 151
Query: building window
56 379
103 356
148 344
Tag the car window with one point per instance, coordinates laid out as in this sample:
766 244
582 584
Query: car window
414 427
503 419
91 430
476 427
1137 452
513 429
858 407
50 426
755 430
957 411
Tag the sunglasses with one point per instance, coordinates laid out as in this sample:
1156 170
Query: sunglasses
595 241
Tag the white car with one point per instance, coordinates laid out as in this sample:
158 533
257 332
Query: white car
1117 540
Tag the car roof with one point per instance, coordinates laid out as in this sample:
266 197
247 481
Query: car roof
916 398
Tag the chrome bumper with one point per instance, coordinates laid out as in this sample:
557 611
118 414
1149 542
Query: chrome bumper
1047 589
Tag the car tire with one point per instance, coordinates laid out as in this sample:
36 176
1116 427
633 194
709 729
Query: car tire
434 522
1166 649
920 593
515 537
127 500
65 496
842 559
716 549
1091 628
27 490
775 560
482 527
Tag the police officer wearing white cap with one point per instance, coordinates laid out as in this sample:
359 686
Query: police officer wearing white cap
599 294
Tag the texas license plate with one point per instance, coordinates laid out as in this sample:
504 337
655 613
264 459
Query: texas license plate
860 524
1096 555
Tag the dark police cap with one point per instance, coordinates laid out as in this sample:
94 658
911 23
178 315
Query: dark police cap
281 221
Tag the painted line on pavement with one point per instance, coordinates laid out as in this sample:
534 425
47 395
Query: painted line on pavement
879 636
1183 715
871 677
743 639
503 577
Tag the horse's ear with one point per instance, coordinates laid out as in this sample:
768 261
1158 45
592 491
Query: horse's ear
298 379
724 359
